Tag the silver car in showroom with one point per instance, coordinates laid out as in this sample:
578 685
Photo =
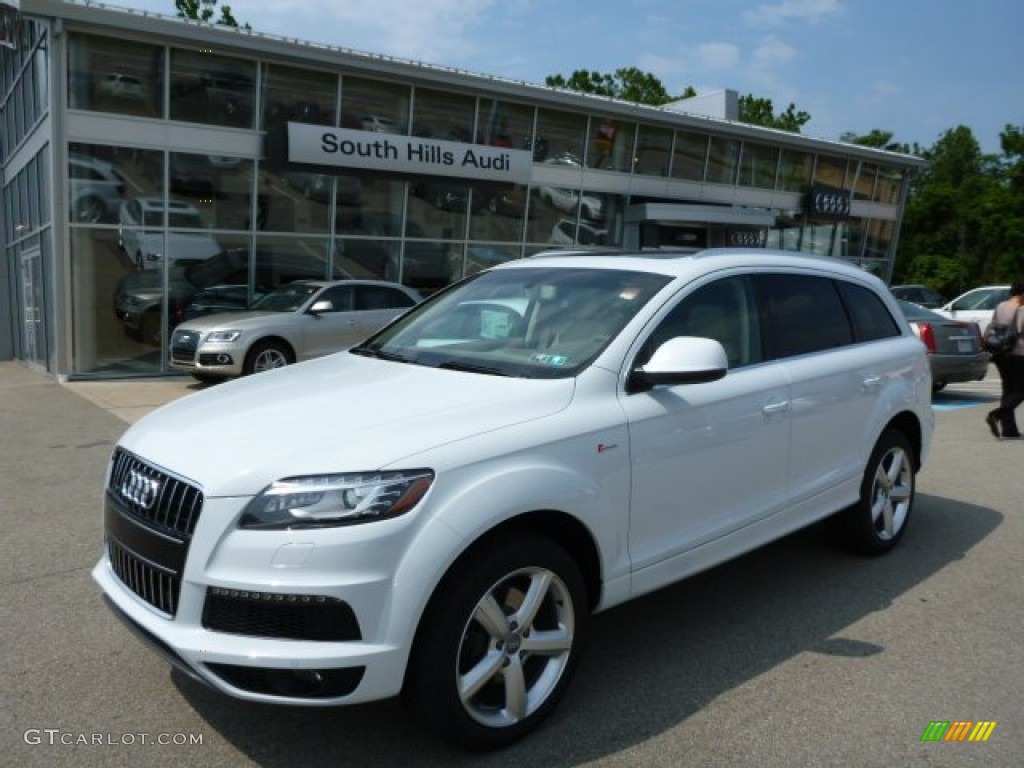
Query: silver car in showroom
295 322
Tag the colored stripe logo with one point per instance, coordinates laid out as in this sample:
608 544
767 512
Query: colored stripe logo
958 730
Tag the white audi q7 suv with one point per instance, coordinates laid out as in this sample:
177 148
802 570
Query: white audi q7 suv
437 511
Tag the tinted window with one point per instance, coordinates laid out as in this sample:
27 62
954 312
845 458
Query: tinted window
725 311
871 320
381 297
805 313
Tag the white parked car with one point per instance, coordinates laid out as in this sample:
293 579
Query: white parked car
141 234
296 322
976 305
568 232
568 200
97 189
437 511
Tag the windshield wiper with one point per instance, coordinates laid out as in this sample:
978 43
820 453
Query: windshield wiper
378 353
472 368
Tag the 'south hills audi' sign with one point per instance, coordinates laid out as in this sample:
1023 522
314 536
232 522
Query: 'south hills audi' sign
395 153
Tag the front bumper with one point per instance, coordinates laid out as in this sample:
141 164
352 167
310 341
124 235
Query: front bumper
192 353
300 618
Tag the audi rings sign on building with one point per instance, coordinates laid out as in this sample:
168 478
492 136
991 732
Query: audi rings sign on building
140 489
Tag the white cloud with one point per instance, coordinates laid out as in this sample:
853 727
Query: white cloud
772 53
717 56
810 11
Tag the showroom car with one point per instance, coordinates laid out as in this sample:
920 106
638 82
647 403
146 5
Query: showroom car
139 296
143 241
97 188
976 305
436 512
954 347
292 323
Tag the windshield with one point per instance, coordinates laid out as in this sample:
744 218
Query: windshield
287 298
532 323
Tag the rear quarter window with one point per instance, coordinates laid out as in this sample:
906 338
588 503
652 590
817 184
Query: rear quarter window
869 315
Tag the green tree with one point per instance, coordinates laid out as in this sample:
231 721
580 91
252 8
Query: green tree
760 111
964 221
204 10
628 84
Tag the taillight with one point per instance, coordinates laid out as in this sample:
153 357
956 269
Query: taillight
927 336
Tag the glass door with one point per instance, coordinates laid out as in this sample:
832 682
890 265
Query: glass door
33 332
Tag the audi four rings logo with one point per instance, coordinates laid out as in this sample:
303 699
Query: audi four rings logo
139 489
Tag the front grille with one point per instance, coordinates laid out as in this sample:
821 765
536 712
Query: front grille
149 520
156 585
183 346
283 616
159 500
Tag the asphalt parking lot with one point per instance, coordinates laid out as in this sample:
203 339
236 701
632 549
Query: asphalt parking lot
796 655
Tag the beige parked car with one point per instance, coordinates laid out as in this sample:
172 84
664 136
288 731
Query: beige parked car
298 321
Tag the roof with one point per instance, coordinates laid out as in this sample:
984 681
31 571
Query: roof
129 21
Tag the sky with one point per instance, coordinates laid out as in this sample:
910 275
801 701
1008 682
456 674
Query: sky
915 68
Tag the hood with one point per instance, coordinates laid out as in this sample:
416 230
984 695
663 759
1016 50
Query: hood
238 321
340 413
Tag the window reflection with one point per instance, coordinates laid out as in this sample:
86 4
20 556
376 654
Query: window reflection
795 170
689 156
373 105
723 160
560 135
865 186
120 76
611 144
758 164
212 89
831 172
503 124
653 151
221 187
443 115
297 95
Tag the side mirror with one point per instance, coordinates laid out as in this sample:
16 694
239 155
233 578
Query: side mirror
681 360
319 307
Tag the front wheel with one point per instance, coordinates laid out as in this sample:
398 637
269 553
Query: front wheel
499 642
875 524
266 356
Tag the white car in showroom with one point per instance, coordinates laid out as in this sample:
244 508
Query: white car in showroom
143 240
437 511
292 323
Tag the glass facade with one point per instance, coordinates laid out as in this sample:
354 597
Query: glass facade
214 205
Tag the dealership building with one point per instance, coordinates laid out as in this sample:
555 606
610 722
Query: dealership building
150 165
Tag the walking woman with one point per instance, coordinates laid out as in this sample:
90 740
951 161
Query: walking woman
1002 421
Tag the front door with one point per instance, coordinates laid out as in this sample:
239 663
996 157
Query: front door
33 331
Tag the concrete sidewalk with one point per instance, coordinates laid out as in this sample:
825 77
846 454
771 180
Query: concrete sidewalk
127 399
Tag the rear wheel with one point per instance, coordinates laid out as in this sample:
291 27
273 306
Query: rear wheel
875 524
89 210
498 644
267 355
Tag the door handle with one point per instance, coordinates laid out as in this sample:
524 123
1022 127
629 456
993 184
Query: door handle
773 408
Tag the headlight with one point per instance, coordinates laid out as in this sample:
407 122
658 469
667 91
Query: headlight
320 501
223 335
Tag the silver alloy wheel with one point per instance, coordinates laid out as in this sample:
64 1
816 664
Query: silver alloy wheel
891 493
269 358
515 647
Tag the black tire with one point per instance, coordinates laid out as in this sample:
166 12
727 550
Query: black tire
529 674
267 355
876 523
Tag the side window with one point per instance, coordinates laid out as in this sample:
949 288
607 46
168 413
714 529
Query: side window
805 312
871 319
726 311
340 297
380 297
